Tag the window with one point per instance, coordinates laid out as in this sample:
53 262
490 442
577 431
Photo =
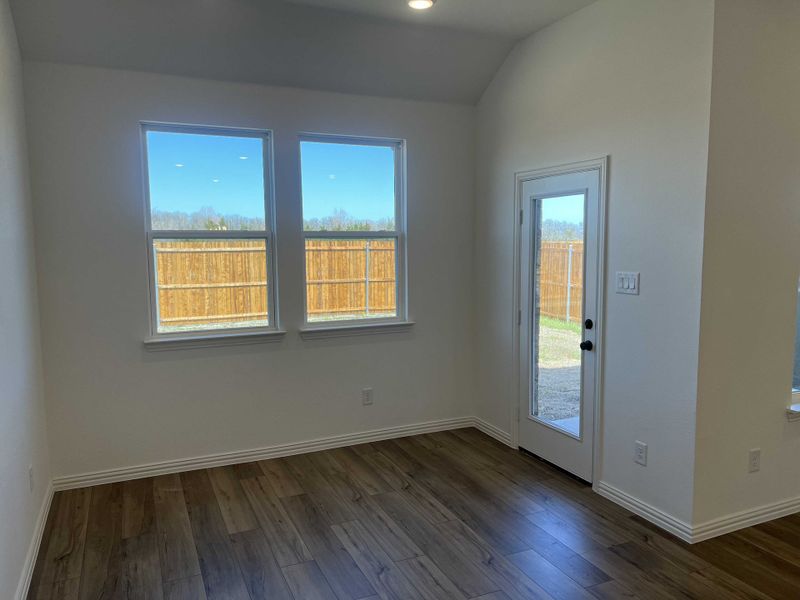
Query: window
209 230
796 370
353 229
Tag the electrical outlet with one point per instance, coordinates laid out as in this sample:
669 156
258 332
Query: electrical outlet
366 396
30 478
640 453
754 460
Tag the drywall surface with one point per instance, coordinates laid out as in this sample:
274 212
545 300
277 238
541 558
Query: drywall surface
112 403
751 262
23 440
631 80
270 42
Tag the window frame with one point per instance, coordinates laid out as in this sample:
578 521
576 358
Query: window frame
399 234
227 335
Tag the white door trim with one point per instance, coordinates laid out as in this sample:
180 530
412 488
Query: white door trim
600 165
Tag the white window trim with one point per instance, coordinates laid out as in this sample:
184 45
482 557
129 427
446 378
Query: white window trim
334 331
231 335
228 337
338 328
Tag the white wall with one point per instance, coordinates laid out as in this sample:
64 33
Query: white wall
700 383
751 258
113 404
630 79
22 421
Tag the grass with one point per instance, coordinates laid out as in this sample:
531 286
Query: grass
552 323
559 383
559 343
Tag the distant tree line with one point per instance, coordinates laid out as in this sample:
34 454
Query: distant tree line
341 220
204 219
561 231
210 220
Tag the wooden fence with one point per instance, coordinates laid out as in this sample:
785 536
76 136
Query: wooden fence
561 280
211 282
350 278
223 282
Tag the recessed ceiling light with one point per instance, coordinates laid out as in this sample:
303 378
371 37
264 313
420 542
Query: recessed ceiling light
179 165
215 180
243 158
420 4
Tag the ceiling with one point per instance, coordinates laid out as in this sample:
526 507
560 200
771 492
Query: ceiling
375 47
512 18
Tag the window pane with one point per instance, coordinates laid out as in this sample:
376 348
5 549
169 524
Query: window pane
203 181
348 187
558 288
350 279
210 284
796 374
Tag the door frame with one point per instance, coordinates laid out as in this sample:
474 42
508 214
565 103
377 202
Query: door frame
521 395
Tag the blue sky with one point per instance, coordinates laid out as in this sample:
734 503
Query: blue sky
189 171
563 208
356 179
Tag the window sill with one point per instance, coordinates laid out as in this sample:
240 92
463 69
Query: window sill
177 342
793 412
334 331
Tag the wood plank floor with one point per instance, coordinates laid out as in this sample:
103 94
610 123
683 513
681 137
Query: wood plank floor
451 515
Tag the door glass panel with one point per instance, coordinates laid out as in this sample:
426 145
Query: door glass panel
558 311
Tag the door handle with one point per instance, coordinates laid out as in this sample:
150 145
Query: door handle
587 345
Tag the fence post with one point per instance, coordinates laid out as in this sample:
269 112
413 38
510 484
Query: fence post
366 281
569 283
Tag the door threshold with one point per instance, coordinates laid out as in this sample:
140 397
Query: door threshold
554 466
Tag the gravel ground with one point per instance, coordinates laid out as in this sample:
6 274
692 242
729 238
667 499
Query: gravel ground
559 385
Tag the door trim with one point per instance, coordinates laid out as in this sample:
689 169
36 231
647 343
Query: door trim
600 165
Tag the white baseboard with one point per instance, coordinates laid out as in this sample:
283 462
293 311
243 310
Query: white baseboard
33 549
492 431
745 518
676 527
702 531
67 482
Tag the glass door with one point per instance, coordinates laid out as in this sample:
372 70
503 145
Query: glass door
559 280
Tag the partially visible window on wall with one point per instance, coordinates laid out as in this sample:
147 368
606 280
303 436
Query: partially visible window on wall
209 230
353 228
796 373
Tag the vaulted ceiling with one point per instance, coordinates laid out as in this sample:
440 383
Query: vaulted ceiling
376 47
512 18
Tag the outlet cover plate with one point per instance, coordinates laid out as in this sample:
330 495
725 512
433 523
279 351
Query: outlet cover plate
640 453
754 460
366 396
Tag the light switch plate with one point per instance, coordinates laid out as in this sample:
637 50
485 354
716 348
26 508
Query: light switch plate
627 282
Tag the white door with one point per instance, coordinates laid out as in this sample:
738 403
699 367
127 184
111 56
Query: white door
559 286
